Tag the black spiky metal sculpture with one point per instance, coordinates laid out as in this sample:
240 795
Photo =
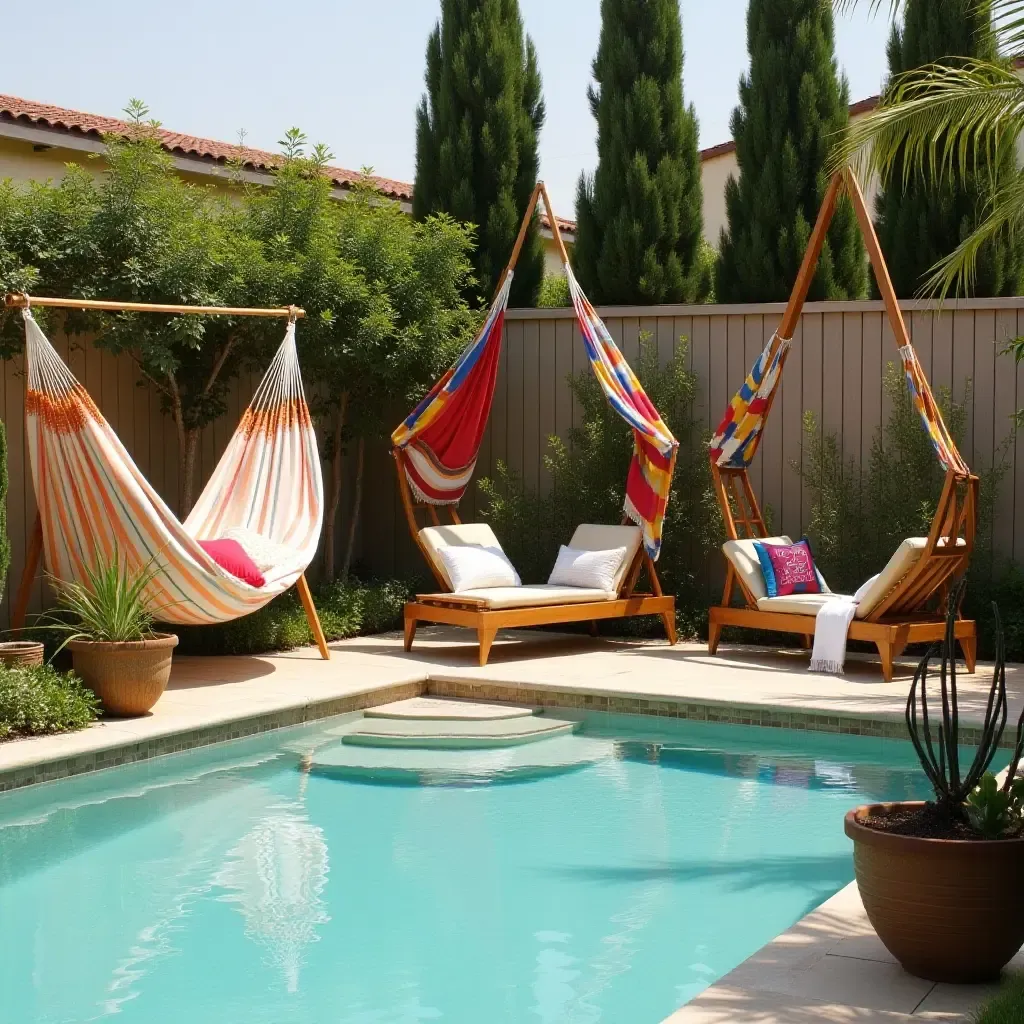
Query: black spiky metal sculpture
941 759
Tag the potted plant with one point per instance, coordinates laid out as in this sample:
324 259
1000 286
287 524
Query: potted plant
109 626
943 881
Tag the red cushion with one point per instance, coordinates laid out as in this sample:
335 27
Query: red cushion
230 555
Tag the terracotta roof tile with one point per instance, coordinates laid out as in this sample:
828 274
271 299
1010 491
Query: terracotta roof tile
13 108
860 107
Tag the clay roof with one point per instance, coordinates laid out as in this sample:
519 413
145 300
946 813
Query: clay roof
15 109
860 107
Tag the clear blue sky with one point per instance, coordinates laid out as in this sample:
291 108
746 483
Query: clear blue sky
350 72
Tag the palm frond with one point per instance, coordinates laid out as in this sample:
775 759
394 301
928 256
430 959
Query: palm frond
936 118
1003 215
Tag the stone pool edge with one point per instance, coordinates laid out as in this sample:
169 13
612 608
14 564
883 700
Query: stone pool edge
35 760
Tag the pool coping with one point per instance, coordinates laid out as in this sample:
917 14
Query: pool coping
110 742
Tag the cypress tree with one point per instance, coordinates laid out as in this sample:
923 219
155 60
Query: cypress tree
792 103
924 220
639 218
476 136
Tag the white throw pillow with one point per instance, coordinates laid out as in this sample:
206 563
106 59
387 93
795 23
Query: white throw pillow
864 588
594 570
265 553
473 566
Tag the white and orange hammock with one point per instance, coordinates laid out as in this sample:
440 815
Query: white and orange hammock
93 500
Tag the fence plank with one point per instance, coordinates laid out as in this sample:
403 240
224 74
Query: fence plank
836 370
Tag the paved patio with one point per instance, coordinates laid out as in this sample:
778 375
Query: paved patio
830 967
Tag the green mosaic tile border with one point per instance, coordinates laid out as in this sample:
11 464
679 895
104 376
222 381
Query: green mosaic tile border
725 714
141 750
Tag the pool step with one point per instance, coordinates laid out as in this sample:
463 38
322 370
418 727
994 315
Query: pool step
434 708
457 766
463 733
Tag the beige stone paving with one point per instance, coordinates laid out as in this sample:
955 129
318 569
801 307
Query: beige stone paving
829 967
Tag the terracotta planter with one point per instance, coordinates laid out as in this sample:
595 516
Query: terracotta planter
948 909
21 653
128 678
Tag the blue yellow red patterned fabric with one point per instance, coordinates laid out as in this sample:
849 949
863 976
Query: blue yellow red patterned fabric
738 435
439 440
649 480
931 417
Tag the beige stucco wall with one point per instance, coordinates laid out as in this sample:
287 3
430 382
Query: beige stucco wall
716 171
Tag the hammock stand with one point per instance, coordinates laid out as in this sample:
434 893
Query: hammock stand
264 414
425 485
903 614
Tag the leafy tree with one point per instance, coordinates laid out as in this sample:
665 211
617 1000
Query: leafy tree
476 136
639 218
923 217
791 104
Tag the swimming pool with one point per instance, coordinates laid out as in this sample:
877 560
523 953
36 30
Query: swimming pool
232 884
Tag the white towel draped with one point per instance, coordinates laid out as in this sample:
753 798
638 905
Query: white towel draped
831 626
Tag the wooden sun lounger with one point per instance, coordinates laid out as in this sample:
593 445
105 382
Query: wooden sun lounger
474 613
911 603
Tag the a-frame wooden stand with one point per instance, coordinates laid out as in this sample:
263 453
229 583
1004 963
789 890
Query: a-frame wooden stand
903 616
473 613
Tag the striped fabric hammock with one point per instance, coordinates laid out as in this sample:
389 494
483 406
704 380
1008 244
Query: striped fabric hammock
738 435
440 439
93 500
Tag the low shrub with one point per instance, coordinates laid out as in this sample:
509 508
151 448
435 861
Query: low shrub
39 700
588 477
860 514
345 610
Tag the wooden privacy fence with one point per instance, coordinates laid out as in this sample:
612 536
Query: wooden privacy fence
835 370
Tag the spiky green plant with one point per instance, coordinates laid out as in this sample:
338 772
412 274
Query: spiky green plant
109 606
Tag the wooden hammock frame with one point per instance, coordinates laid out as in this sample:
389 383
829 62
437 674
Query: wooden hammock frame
456 610
34 554
902 617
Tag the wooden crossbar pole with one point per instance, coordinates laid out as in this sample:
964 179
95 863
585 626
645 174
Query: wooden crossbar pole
19 300
521 237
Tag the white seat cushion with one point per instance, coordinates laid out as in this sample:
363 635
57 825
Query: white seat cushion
436 537
903 560
471 566
600 537
795 604
596 570
530 596
266 554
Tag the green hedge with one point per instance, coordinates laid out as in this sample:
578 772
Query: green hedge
345 610
39 700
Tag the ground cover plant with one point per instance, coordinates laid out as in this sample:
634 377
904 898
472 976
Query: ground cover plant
39 699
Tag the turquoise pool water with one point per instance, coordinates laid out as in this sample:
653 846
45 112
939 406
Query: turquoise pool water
229 885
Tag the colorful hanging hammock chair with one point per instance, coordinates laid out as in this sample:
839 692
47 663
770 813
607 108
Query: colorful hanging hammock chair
900 607
438 442
93 500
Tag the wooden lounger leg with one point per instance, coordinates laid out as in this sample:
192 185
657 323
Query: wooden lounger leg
485 637
314 620
969 645
669 619
592 627
885 649
714 633
807 641
410 630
